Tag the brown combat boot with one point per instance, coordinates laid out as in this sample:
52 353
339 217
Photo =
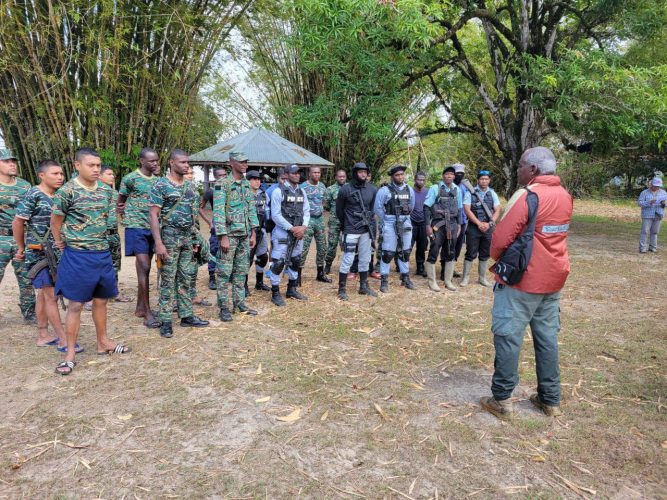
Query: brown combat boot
501 409
549 411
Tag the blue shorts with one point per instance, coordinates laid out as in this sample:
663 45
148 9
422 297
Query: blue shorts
86 274
43 279
138 241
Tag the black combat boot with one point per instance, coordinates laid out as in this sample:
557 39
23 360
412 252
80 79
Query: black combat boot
342 284
297 281
421 271
259 283
405 281
364 289
166 330
225 315
211 281
244 309
193 321
276 296
245 286
292 292
384 283
321 276
327 268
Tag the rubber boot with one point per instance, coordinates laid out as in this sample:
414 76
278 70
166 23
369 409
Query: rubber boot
276 296
364 289
384 283
483 267
467 267
449 274
211 281
292 292
342 284
321 276
405 281
259 283
430 273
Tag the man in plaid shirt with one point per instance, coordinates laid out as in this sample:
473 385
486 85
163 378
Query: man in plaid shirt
653 201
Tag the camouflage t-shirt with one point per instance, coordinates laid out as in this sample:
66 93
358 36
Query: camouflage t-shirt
86 212
234 210
113 215
166 195
35 208
10 194
315 196
137 187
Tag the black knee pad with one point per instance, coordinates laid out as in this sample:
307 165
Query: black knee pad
405 257
388 256
262 260
277 266
295 263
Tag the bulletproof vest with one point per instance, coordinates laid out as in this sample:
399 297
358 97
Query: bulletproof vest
260 205
478 209
399 202
292 205
446 204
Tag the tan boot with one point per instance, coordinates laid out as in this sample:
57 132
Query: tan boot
449 274
483 268
430 273
467 267
501 409
549 411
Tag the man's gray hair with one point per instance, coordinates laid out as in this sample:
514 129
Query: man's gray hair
542 158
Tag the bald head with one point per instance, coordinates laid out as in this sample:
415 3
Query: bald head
540 157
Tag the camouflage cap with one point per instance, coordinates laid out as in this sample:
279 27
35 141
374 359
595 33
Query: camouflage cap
7 154
238 156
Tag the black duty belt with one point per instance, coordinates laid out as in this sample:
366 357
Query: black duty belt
316 216
6 232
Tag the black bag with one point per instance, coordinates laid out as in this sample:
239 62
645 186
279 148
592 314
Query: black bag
514 262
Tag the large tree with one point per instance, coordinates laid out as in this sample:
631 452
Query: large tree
110 74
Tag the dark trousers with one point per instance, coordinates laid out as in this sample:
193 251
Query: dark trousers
213 242
460 241
419 239
477 242
440 243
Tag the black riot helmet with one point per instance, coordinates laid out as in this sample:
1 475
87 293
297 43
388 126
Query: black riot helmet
358 167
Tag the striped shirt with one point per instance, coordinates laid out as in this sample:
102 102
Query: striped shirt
652 210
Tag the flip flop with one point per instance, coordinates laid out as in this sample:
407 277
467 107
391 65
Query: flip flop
77 348
156 323
119 349
69 365
122 298
50 344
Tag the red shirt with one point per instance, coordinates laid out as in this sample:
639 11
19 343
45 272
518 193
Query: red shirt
549 265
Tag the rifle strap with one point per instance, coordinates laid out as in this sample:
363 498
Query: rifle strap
166 216
484 206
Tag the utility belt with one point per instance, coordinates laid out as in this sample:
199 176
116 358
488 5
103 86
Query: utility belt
112 232
312 216
6 232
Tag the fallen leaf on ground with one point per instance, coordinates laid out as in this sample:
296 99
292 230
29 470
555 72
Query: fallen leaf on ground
263 400
124 417
292 417
259 369
324 416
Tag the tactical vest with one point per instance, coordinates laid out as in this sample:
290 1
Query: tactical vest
446 204
399 201
478 209
292 205
260 205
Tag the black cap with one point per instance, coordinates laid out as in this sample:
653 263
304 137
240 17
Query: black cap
292 169
396 169
360 165
449 169
252 174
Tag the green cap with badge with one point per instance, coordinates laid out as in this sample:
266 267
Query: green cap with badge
238 156
7 154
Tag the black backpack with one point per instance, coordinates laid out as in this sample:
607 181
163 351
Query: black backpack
514 262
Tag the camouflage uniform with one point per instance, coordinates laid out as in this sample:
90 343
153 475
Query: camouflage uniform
35 208
333 235
316 195
9 199
234 215
178 213
113 236
137 188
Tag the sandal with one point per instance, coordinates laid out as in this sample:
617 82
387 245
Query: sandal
156 323
50 343
77 348
68 367
119 349
122 298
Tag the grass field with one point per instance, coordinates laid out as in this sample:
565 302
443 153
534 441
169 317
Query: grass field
375 398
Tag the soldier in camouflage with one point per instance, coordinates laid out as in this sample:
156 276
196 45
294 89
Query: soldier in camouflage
12 188
333 227
173 210
316 193
235 220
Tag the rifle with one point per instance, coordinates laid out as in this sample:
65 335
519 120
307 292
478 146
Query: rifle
468 186
365 218
50 261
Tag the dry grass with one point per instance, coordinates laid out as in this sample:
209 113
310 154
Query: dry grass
375 398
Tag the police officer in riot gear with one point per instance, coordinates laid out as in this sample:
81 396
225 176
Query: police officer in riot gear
354 209
393 204
260 252
291 214
442 210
